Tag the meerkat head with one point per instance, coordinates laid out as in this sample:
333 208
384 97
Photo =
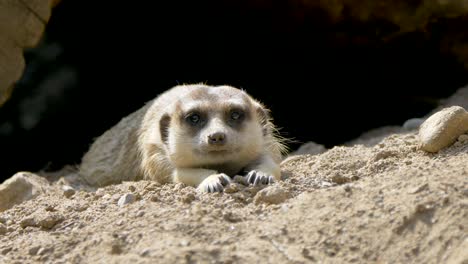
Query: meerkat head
214 125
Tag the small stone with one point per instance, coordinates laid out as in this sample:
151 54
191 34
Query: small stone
309 148
42 251
154 198
50 208
240 180
188 198
184 243
28 221
424 207
230 217
443 128
463 138
178 187
3 229
145 252
33 250
465 192
413 123
140 213
233 188
115 249
21 187
50 220
6 250
100 192
306 253
126 199
271 195
68 191
419 188
131 188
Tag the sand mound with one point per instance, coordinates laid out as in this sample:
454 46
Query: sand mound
387 203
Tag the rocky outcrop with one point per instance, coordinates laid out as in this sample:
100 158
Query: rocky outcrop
21 187
23 23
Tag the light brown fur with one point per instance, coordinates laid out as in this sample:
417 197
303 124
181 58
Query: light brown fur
155 142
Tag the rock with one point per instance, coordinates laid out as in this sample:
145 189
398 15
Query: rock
126 199
230 217
271 195
6 250
233 187
145 252
100 192
188 198
21 187
310 148
443 128
50 220
463 138
3 229
240 179
68 191
45 221
22 26
116 248
28 221
33 250
419 188
140 213
413 123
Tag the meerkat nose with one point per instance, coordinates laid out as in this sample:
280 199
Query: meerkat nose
218 138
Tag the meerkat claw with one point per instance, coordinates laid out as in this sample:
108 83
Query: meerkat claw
257 178
214 183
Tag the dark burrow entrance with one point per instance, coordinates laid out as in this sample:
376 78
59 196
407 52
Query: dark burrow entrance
324 82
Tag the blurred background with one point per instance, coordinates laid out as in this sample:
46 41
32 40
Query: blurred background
328 70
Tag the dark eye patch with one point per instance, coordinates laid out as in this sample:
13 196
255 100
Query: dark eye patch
235 117
236 114
194 118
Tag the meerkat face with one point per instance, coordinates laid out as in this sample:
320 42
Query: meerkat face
214 125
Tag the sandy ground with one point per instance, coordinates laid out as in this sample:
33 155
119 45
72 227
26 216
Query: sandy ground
385 202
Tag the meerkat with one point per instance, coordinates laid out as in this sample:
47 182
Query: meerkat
194 134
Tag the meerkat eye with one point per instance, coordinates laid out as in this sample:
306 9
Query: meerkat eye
236 115
193 118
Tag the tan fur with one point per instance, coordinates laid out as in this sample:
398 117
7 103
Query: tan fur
137 147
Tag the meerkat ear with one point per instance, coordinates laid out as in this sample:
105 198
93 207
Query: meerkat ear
164 127
263 117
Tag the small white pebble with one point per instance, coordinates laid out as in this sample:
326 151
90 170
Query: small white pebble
126 199
413 123
100 192
140 213
184 243
145 252
68 191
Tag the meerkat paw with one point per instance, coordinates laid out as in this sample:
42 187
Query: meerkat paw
257 177
214 183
